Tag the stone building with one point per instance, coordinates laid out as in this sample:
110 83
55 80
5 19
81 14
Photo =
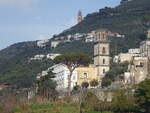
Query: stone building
138 70
101 52
86 74
145 46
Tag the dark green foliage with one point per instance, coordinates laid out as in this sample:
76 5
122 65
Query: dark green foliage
75 88
15 66
143 96
73 59
115 70
124 102
94 83
46 86
85 84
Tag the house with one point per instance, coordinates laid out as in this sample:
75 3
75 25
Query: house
116 59
51 56
89 38
38 57
86 74
126 57
42 43
145 48
134 51
55 43
2 86
61 77
138 70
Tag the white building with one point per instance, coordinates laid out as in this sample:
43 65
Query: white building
42 43
89 38
145 48
134 51
43 73
116 59
55 43
61 77
77 36
38 57
51 56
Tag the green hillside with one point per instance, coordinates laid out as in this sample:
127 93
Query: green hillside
130 18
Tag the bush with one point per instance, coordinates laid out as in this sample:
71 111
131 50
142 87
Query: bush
94 83
85 85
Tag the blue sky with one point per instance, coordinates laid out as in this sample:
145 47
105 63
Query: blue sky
27 20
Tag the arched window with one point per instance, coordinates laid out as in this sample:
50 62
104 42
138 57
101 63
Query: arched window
103 61
104 50
104 71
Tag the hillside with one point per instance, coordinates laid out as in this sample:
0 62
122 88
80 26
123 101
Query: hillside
130 18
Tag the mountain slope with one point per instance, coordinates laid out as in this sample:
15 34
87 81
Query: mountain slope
130 18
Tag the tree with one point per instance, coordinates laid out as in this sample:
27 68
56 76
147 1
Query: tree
72 61
94 83
85 84
46 86
115 70
143 96
124 102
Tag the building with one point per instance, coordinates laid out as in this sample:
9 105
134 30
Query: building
55 43
145 46
79 17
138 70
38 57
51 56
89 38
61 77
42 43
134 51
3 86
126 57
116 59
101 52
86 74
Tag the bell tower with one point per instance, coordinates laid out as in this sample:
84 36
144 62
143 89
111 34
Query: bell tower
79 17
101 52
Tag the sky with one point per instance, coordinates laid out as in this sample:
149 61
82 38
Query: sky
29 20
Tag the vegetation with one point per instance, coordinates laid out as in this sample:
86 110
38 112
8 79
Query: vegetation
115 70
72 61
46 86
131 19
124 101
94 83
143 96
85 84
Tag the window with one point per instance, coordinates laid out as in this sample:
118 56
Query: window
104 71
85 75
141 64
74 77
104 50
103 61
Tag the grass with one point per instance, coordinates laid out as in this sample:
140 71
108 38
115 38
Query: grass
50 108
47 108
